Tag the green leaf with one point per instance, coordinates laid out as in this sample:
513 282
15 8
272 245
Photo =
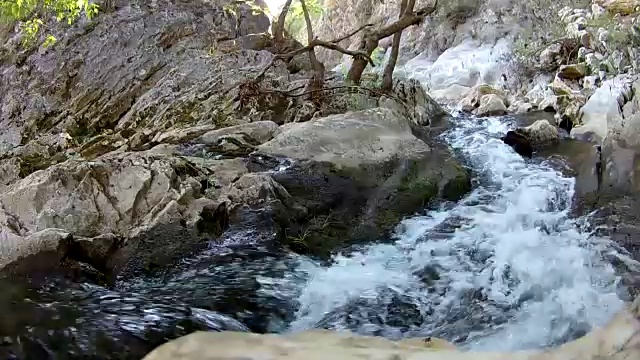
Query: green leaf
29 13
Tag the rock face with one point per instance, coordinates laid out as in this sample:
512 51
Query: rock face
607 187
102 210
360 172
95 156
602 114
534 137
173 80
618 340
130 155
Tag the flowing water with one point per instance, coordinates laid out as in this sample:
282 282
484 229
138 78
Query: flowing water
505 268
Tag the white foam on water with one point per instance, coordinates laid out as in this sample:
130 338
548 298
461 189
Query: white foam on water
514 243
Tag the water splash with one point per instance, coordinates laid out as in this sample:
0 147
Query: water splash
504 269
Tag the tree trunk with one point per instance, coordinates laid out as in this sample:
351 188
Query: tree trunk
317 80
278 29
368 45
387 76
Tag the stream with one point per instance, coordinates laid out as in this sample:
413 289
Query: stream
505 268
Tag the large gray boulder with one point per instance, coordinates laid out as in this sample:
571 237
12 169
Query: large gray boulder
349 140
491 105
357 174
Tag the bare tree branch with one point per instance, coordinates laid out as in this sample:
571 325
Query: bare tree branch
316 42
336 47
371 39
351 33
405 21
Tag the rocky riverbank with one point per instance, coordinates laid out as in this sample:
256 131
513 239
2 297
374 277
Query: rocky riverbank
131 155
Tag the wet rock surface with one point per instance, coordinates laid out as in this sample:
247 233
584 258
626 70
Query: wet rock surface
606 190
70 317
358 174
535 137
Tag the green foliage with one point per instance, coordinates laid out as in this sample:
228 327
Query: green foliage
30 13
295 23
620 36
377 56
541 26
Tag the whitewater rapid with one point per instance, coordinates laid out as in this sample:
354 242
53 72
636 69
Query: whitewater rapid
505 268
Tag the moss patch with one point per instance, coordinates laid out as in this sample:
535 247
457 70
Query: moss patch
349 205
34 162
457 187
322 235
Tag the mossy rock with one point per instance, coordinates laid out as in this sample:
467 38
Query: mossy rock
31 163
423 184
458 186
319 237
350 205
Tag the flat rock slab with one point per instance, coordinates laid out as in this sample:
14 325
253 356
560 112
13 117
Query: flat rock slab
352 139
618 340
